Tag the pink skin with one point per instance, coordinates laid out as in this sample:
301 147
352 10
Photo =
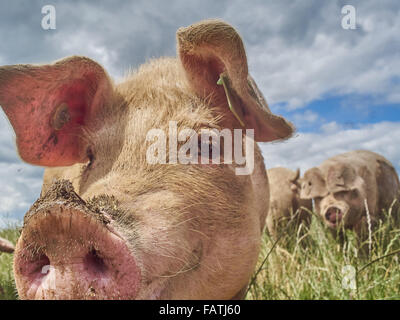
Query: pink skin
333 216
92 262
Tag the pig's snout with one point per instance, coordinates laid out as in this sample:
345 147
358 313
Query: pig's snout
66 251
333 216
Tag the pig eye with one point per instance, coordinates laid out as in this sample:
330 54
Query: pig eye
354 193
90 156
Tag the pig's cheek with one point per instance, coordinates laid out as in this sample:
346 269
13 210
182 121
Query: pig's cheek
351 215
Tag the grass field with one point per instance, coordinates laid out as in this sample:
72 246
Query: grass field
311 266
316 266
7 286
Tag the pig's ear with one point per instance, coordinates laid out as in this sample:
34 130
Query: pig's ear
313 184
340 178
296 176
212 51
50 106
294 181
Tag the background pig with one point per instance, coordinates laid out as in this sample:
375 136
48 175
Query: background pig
285 204
6 246
108 224
344 186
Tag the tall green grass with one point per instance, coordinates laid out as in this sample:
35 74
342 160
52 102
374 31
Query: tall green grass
7 284
307 264
316 265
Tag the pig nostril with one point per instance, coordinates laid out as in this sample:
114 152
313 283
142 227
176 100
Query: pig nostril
41 265
94 262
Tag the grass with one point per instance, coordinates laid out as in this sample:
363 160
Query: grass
7 285
315 265
303 265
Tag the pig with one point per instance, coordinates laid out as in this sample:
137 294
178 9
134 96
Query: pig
109 224
285 205
6 246
351 190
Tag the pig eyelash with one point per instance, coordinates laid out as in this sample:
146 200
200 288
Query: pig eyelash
354 193
90 156
87 136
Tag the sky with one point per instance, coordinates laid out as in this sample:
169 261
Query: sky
340 87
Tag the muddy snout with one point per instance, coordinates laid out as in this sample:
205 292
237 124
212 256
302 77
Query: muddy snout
69 251
333 216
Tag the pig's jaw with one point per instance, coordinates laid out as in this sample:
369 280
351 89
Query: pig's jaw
67 252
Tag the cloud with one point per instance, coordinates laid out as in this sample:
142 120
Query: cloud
305 119
298 51
306 150
326 59
20 187
20 183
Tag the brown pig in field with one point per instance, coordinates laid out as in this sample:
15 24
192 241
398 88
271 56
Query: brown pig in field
6 246
112 223
352 189
285 205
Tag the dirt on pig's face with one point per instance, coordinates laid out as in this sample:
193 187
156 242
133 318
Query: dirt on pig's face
111 225
341 209
337 194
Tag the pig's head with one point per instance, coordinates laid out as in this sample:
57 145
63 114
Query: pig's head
296 187
338 194
111 225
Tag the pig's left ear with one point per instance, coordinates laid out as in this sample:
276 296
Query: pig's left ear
212 51
50 106
313 184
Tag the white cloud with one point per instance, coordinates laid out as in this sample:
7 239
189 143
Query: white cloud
298 51
306 150
20 187
20 183
325 58
331 127
305 118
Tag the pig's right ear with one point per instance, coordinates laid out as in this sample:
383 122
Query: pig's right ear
50 106
313 184
212 51
295 176
294 181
